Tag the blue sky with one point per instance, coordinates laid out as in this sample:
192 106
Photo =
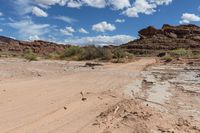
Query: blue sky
85 22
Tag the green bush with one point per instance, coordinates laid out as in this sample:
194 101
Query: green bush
86 53
90 53
72 51
167 58
196 54
29 55
119 53
53 55
129 55
93 52
106 54
179 52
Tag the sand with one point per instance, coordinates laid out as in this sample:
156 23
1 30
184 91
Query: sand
50 96
44 96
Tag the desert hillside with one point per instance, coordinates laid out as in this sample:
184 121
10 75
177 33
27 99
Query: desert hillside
40 47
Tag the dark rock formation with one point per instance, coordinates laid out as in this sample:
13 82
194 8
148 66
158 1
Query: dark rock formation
149 32
39 47
169 37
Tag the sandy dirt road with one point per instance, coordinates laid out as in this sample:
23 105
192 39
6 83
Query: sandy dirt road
44 96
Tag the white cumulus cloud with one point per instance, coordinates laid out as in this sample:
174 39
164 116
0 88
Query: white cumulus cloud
1 30
39 12
119 4
67 31
26 6
103 26
82 30
116 4
120 20
51 2
161 2
144 7
140 6
188 17
129 8
95 3
101 40
74 4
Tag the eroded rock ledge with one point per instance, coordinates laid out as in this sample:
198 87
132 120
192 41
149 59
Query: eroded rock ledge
167 38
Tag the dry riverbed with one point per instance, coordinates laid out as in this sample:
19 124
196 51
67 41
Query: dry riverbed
61 96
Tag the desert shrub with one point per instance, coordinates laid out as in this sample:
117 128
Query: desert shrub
119 53
86 53
9 54
179 52
72 51
29 55
196 54
106 54
129 55
167 58
53 55
93 52
90 53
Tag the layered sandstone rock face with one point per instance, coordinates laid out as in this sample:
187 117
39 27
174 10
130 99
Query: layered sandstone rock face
167 38
39 47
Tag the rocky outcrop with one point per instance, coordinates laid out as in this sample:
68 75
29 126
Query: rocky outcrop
39 47
169 37
149 32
